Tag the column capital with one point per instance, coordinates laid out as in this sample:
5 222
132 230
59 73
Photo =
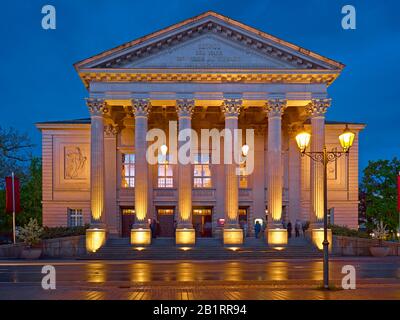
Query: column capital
185 108
141 107
231 107
318 107
97 107
275 107
111 130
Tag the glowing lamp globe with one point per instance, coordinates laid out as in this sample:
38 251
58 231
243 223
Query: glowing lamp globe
164 149
303 140
245 150
346 139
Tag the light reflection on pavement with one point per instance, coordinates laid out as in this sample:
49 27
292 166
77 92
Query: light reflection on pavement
289 279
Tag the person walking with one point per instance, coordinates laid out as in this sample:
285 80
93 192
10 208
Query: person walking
289 229
257 229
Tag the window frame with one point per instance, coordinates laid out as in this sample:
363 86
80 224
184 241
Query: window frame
74 215
128 180
204 166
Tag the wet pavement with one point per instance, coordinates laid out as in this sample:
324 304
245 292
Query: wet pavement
287 279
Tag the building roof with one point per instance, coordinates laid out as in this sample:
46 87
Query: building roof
207 17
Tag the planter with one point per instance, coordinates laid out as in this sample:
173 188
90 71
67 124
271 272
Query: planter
31 253
379 251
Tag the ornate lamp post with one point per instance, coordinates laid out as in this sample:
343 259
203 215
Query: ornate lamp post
346 141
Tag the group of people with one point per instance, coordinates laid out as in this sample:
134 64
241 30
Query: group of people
298 228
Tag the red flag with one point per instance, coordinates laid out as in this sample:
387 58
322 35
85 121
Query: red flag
9 195
398 192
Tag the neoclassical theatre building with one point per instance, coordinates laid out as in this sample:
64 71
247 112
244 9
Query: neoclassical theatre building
207 72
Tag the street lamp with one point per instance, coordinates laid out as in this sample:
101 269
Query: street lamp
346 140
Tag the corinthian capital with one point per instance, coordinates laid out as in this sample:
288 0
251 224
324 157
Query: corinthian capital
318 107
96 106
275 107
185 108
111 130
141 107
231 107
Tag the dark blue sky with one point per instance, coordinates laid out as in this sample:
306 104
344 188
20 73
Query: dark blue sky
39 83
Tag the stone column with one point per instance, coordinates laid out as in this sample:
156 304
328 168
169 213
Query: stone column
317 109
294 174
275 232
185 234
110 184
233 234
140 233
96 235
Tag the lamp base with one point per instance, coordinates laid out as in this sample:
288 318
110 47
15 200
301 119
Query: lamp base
95 239
317 237
277 237
185 236
233 236
140 237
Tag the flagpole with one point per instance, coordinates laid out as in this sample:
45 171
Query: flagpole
13 203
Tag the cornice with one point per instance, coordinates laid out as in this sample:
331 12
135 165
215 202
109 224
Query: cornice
208 77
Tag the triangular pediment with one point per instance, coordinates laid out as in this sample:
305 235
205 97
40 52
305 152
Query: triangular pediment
209 41
209 51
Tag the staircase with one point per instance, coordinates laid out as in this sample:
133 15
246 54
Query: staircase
205 249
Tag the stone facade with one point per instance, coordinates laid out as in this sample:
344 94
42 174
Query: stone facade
207 72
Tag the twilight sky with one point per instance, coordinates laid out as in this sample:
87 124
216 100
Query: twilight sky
39 83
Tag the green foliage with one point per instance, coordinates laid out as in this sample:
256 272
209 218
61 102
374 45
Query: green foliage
59 232
379 184
31 233
31 197
347 232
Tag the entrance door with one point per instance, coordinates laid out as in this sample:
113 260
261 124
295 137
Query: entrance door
202 222
128 219
165 217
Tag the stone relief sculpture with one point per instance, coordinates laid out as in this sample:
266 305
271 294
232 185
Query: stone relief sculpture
75 163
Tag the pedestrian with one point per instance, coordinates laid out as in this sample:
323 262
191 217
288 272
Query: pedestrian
297 228
289 229
153 226
257 228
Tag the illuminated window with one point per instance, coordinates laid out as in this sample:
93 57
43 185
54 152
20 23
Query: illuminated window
128 170
75 217
165 174
128 212
202 172
243 177
165 212
202 212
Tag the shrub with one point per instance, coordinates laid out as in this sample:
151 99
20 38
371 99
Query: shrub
59 232
347 232
31 233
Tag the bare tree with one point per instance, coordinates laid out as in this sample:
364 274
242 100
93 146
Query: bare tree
15 152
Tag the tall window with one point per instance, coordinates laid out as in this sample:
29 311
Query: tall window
165 173
75 217
243 177
202 172
128 170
